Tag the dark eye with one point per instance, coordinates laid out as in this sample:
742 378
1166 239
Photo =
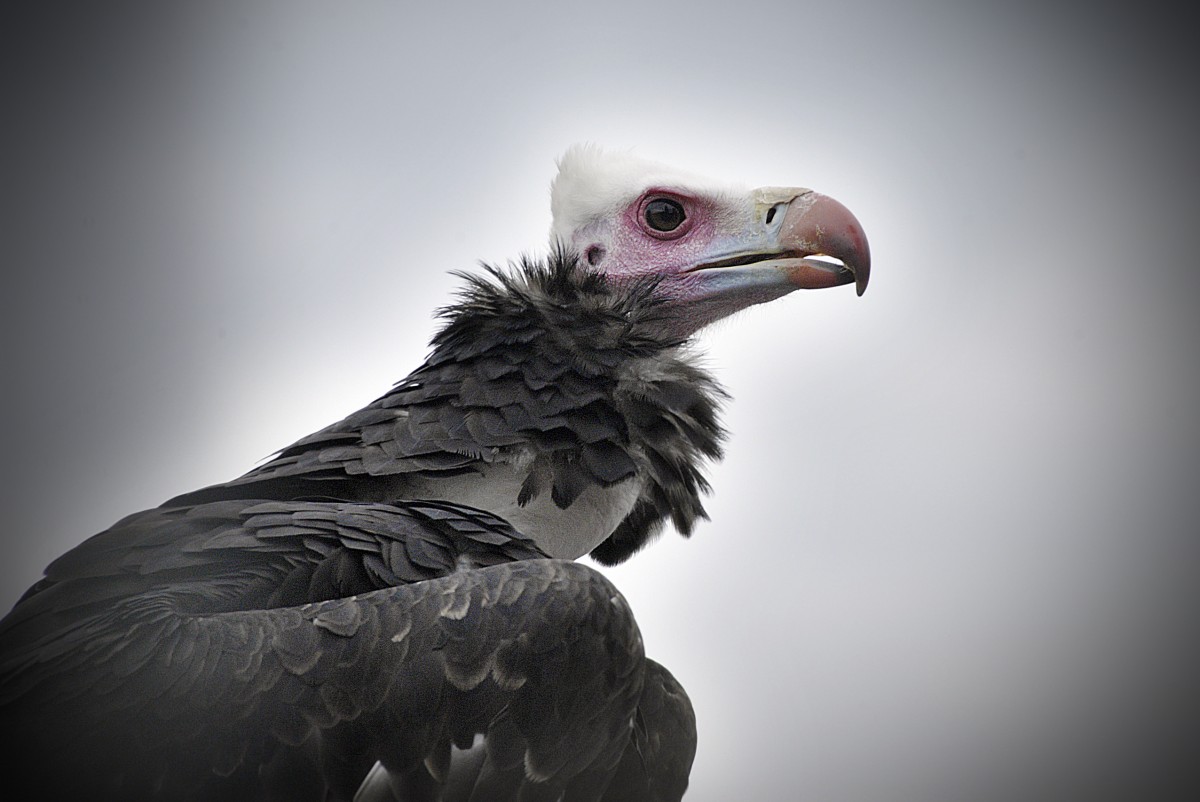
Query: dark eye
664 214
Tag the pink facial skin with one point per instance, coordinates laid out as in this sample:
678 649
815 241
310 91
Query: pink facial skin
731 251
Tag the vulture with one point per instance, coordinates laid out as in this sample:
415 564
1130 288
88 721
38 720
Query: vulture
390 607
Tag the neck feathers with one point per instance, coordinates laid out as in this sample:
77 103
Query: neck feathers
608 394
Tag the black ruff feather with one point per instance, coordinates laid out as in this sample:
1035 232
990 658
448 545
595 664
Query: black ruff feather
548 359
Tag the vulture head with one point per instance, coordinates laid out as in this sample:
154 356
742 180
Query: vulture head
713 248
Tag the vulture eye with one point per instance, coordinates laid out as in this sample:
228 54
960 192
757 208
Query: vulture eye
664 214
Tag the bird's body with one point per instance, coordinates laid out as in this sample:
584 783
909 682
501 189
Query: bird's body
380 592
254 568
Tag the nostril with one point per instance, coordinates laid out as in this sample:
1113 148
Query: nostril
594 254
771 212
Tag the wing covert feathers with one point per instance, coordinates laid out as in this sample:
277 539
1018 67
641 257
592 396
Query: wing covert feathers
543 656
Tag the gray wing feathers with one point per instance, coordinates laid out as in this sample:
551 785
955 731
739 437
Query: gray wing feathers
415 668
238 554
654 765
658 760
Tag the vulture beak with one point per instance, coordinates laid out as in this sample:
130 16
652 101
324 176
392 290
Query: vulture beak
816 225
799 239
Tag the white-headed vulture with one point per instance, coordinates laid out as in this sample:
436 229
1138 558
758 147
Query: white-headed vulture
351 617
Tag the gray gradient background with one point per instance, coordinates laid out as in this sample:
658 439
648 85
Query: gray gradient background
954 539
